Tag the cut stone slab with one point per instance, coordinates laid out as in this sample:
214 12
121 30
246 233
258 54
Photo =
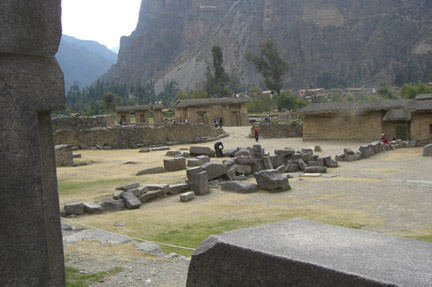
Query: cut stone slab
228 152
243 160
160 148
193 162
151 248
267 162
97 235
152 170
131 201
151 195
329 162
177 188
75 208
242 169
348 151
128 186
340 157
201 183
301 164
271 179
327 175
242 152
240 186
113 205
203 159
187 196
144 150
118 194
198 150
313 163
304 253
173 153
311 175
315 169
284 152
366 151
175 164
354 157
427 150
92 208
191 174
214 170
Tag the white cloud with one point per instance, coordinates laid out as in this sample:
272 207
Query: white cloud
104 21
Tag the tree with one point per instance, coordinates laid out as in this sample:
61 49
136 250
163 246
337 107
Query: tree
385 93
169 92
110 101
181 96
286 100
199 94
216 77
260 103
410 91
270 64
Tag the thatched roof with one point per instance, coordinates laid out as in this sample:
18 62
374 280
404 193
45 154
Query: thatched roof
132 108
422 97
376 105
397 116
211 101
157 106
422 105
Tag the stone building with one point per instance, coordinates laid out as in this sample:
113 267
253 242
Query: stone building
363 121
141 113
233 111
421 118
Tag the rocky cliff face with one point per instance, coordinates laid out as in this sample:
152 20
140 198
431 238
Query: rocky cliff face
362 42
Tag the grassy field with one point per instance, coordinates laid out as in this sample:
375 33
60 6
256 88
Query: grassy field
359 199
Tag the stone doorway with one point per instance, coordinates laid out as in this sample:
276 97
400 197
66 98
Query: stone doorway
202 117
235 119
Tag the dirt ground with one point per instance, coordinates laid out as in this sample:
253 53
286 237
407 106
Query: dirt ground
389 193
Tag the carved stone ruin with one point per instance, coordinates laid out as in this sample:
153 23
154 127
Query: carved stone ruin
31 85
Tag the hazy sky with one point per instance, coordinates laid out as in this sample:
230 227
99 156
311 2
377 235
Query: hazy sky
104 21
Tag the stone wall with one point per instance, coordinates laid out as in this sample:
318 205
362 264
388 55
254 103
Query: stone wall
360 127
64 155
279 130
82 123
134 136
420 127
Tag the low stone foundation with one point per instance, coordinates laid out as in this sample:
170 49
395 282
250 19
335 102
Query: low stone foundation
135 136
292 130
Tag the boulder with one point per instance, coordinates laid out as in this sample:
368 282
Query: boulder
267 162
366 151
352 157
301 165
271 179
151 195
376 145
198 150
160 148
113 205
92 208
307 150
243 169
348 151
152 170
313 163
173 153
427 150
243 160
315 169
258 165
175 164
128 186
278 160
130 200
340 157
150 248
187 196
292 167
75 208
203 159
239 186
214 170
242 152
329 162
317 148
257 151
144 150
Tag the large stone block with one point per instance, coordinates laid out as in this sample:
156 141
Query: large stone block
366 151
201 183
175 164
198 150
30 27
427 150
130 200
303 253
271 179
214 169
64 155
240 187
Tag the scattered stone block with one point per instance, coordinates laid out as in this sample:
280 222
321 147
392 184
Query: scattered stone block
201 183
113 205
242 152
267 162
257 151
376 145
307 150
292 167
118 194
151 170
239 186
177 188
173 153
78 155
301 165
427 150
64 155
75 208
348 151
228 163
160 148
311 174
240 177
128 186
203 159
144 150
92 208
284 152
329 162
130 200
214 183
187 196
198 150
228 152
214 170
315 169
304 253
242 169
313 163
413 143
175 164
317 148
193 162
282 168
327 175
307 156
278 160
151 195
131 162
163 187
231 173
271 179
150 248
258 165
243 160
340 157
191 174
366 151
352 157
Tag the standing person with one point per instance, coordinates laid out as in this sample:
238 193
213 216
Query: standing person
218 149
220 121
216 123
256 131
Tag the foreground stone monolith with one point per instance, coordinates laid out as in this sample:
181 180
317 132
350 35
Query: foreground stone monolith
31 85
303 253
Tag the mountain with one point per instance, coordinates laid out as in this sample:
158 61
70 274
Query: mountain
343 42
83 61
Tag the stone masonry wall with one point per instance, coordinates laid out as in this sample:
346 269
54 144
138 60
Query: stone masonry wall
365 127
82 123
279 130
134 136
421 127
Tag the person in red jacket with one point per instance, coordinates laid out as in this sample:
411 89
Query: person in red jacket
256 131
